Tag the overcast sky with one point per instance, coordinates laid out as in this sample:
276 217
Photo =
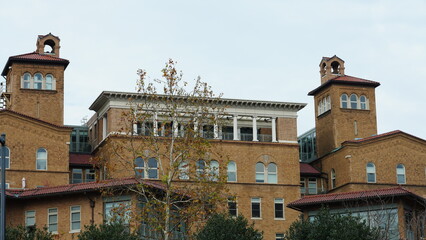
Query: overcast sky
264 50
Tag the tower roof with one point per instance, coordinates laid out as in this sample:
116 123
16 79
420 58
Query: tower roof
34 57
345 80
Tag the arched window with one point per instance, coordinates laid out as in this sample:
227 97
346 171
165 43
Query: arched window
41 159
200 166
344 101
183 171
371 173
26 80
152 168
400 174
214 170
272 173
363 102
49 82
260 172
354 101
232 171
139 167
38 81
7 157
333 178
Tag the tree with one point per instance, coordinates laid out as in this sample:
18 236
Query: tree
24 233
332 227
166 137
114 230
225 227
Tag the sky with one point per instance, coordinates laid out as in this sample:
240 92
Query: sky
263 50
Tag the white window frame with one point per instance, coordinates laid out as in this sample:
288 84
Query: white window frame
333 178
281 202
71 221
312 182
270 173
89 172
183 171
7 156
50 223
37 159
52 87
355 102
142 173
279 236
233 200
232 171
399 173
259 201
366 106
72 175
36 82
29 81
344 101
148 168
371 170
27 216
260 173
200 168
303 185
214 170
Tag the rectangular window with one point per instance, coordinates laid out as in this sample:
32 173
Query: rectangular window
77 175
52 219
302 186
312 186
279 236
30 218
117 211
256 208
279 208
90 175
75 219
232 207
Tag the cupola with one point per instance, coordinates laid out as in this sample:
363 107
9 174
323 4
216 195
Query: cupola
331 67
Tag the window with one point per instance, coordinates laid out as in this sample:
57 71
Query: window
333 178
255 208
41 160
272 173
232 171
200 166
279 236
152 168
183 171
363 102
90 175
52 219
400 174
232 207
139 167
77 175
38 81
279 208
214 170
354 101
312 186
371 173
344 101
26 80
75 219
49 82
302 186
30 218
260 172
324 105
117 209
6 156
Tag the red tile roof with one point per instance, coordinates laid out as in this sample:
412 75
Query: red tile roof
78 188
350 196
345 79
308 169
34 57
80 159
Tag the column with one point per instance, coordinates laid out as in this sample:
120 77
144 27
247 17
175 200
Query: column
196 133
254 129
215 128
175 128
155 123
182 131
236 128
135 128
274 130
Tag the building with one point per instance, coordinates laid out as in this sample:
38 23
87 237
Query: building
353 161
51 178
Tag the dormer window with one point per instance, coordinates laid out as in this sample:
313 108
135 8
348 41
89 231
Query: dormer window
38 81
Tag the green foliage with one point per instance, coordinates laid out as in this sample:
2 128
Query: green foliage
331 227
225 227
23 233
114 230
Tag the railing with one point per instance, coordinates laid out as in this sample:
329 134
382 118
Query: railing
264 137
227 136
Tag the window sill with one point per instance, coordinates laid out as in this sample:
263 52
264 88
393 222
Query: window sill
256 218
75 231
279 219
39 90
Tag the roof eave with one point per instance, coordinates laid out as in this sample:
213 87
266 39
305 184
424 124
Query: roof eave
330 82
11 60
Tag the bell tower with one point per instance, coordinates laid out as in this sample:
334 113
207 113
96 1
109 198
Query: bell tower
35 81
345 106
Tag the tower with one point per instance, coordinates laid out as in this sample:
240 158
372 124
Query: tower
35 81
345 106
